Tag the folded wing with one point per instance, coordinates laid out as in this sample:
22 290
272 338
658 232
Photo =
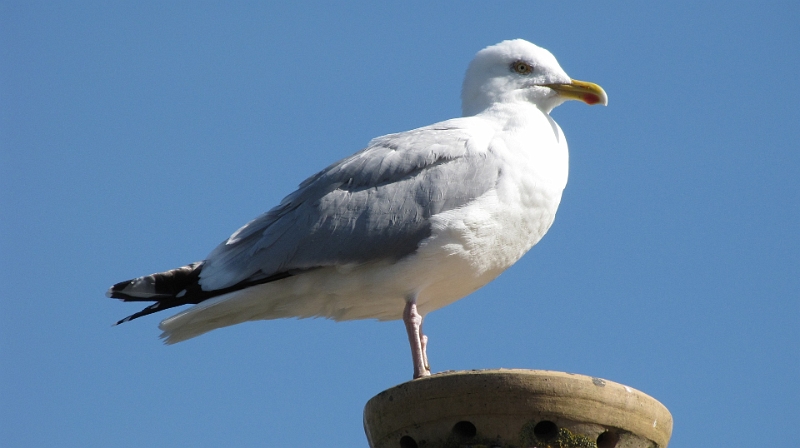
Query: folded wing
373 205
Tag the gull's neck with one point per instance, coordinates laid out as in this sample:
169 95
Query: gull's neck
513 111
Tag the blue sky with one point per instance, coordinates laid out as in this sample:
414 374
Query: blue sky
136 136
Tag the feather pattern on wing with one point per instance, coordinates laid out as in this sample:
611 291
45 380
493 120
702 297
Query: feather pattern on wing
373 205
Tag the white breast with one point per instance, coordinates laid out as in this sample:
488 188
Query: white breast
473 244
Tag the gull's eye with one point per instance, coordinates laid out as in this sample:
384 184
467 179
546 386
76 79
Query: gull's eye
522 67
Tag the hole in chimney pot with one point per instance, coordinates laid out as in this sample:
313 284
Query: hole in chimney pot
465 430
607 440
545 430
407 442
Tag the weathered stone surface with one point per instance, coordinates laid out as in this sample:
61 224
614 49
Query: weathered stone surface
515 409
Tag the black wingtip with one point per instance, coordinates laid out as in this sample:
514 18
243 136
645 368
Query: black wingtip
174 288
167 289
115 292
154 308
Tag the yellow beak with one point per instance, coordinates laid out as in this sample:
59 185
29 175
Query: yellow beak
588 92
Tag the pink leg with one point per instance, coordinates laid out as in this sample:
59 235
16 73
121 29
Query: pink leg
423 340
413 321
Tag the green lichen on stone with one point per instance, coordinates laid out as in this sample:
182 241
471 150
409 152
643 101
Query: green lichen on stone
563 439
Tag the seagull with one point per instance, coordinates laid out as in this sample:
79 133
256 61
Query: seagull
408 225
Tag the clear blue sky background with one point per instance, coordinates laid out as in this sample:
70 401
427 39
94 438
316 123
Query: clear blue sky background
136 136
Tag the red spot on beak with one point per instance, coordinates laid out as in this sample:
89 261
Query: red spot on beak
591 98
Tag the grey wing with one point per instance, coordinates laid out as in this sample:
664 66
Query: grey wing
373 205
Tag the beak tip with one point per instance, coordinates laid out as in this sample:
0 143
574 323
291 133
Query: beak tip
594 99
587 92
